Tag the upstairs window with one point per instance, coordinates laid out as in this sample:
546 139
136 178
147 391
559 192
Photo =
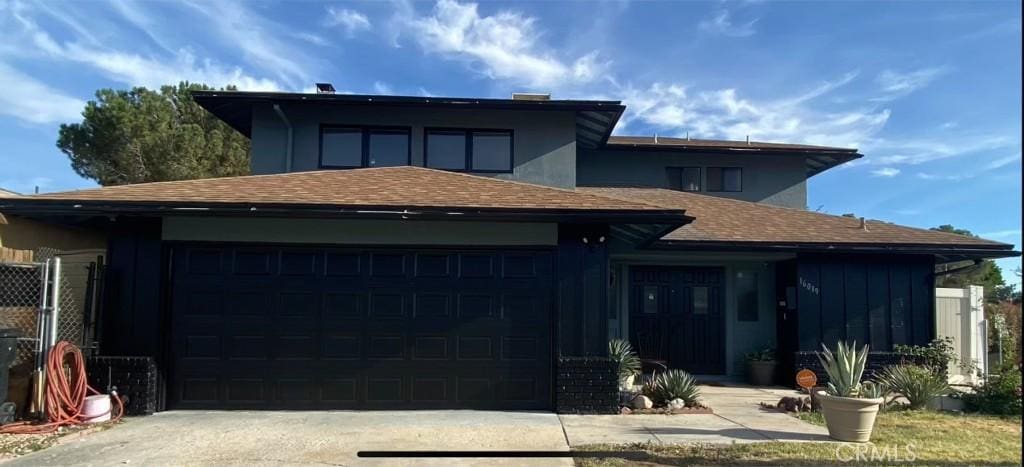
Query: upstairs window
354 147
469 150
725 179
684 178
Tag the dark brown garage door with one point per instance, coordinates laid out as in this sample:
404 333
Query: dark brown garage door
290 327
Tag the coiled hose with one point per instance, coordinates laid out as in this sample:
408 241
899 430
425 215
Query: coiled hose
65 393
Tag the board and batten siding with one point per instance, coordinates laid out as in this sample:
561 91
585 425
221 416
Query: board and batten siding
879 301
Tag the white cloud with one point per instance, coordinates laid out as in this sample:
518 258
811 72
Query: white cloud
910 151
380 87
28 99
721 24
505 45
350 20
725 113
135 69
887 172
898 84
1002 233
1002 162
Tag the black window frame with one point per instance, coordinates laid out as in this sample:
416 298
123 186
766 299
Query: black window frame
675 176
365 131
721 180
468 135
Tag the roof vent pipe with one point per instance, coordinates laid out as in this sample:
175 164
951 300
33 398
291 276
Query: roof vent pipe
864 224
288 148
748 140
655 138
687 135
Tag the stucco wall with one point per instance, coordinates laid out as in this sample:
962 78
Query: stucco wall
25 234
778 180
354 232
544 142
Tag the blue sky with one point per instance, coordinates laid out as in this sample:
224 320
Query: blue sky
930 92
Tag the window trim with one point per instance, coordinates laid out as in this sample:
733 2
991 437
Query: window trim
722 181
365 131
468 135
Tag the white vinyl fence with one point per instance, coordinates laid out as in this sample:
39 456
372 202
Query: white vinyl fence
960 315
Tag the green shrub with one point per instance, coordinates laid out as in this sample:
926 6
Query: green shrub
999 394
873 390
621 352
916 383
673 384
766 354
939 355
844 368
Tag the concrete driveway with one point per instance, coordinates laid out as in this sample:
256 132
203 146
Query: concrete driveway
309 438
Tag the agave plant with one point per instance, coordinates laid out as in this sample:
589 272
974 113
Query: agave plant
874 390
621 352
917 383
673 384
844 368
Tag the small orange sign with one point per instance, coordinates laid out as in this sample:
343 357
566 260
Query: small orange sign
806 378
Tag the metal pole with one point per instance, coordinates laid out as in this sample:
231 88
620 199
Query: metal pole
55 306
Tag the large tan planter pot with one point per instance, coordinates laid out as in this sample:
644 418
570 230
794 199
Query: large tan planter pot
849 418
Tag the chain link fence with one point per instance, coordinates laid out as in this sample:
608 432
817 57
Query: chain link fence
21 294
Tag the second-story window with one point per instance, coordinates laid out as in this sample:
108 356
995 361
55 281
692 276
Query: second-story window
725 179
353 147
469 150
684 178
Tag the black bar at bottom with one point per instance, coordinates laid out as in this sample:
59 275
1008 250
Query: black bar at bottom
496 454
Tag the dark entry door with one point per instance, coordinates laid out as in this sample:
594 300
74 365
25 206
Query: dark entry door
314 328
677 315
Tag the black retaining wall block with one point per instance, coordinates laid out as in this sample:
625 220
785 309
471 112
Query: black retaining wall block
134 378
876 362
587 385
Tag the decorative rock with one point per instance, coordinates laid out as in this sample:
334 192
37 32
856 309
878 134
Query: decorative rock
676 404
625 411
642 402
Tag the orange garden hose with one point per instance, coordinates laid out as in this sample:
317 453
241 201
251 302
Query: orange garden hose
65 393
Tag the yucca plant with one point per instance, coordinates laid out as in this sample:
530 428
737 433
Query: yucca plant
673 384
916 383
621 352
844 368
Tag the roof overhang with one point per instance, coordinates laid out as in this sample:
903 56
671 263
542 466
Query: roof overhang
595 119
815 160
942 253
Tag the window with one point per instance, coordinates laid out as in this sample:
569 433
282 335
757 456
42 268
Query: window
700 300
469 150
747 302
650 299
353 147
684 178
725 179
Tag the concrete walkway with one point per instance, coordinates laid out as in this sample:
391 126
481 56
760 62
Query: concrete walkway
738 418
310 438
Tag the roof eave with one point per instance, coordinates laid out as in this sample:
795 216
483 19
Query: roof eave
996 250
42 207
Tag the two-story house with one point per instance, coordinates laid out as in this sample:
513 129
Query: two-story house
425 252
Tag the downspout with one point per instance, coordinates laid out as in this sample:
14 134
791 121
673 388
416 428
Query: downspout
288 149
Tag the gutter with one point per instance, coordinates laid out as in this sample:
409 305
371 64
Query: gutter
288 149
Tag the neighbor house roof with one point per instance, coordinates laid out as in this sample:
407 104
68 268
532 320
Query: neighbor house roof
817 159
7 193
734 223
595 119
365 191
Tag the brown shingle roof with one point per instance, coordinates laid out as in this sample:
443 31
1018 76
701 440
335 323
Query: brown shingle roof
717 144
397 187
728 220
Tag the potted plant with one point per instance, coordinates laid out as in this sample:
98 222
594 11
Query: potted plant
761 367
621 352
848 405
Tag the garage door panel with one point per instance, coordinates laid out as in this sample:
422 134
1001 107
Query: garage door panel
309 328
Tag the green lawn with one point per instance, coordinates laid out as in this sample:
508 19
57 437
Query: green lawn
929 438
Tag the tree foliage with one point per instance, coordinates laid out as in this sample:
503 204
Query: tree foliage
142 135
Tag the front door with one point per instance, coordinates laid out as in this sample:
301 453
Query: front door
677 315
